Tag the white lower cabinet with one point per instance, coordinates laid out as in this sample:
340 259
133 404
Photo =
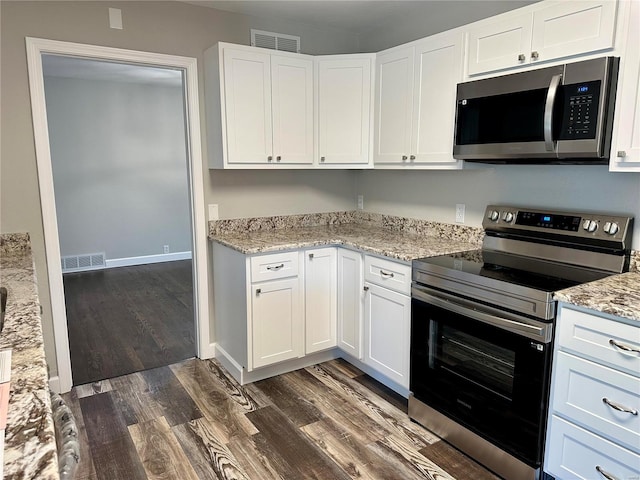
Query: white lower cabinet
276 326
350 302
593 429
387 327
320 293
274 312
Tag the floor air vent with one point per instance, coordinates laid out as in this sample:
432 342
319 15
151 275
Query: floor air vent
275 41
80 263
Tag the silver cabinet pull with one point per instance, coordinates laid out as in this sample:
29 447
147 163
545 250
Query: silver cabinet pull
620 408
621 154
404 157
412 157
605 474
322 159
275 267
311 255
623 346
366 289
278 158
258 291
521 57
386 274
269 158
535 55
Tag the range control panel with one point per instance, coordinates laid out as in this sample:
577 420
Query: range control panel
578 224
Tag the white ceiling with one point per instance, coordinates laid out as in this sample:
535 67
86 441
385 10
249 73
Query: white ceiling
357 16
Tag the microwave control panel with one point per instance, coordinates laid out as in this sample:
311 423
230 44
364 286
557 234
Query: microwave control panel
580 112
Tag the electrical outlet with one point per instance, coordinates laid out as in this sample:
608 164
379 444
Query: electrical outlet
166 249
459 212
360 202
213 212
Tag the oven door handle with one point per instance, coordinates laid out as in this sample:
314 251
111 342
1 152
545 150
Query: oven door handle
541 332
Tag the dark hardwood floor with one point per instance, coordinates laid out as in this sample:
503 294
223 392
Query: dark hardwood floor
193 421
128 319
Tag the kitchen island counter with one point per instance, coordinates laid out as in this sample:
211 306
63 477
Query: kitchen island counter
29 442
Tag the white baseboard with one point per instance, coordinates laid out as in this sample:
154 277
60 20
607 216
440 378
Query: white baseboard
54 384
243 377
146 259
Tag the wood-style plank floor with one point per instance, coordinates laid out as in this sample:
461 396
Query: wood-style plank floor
191 420
128 319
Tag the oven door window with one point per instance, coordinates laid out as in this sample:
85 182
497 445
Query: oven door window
492 381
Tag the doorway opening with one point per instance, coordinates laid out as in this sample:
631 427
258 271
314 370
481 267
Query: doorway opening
128 242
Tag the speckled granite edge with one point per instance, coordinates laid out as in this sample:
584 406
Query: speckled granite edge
396 224
11 243
30 447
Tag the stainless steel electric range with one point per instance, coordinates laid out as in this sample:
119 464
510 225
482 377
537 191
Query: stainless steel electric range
482 328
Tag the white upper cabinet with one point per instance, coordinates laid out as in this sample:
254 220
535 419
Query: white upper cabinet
415 103
625 151
344 110
259 108
556 30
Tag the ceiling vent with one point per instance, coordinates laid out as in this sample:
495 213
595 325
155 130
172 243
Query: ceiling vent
275 41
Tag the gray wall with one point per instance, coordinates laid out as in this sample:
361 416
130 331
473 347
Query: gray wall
164 27
119 166
433 195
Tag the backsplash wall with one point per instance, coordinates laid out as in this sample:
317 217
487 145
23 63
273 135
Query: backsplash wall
433 195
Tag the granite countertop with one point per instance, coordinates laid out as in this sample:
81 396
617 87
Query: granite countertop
617 295
29 443
401 239
406 239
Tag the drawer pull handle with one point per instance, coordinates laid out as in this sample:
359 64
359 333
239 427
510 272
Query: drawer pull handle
275 267
620 408
605 474
386 274
624 347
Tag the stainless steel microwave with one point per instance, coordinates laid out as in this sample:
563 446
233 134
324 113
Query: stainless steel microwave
560 114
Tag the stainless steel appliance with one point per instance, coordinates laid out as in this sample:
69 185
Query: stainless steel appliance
561 114
482 328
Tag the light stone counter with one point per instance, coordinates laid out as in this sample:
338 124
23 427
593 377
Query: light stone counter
393 237
30 445
617 295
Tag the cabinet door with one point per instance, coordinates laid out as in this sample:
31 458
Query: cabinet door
320 292
344 109
502 44
387 317
350 302
276 322
292 104
625 151
438 69
572 28
394 106
247 98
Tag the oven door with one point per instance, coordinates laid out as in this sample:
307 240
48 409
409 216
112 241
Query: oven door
486 369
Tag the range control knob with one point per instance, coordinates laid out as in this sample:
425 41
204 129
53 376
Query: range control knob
507 217
590 225
611 228
493 215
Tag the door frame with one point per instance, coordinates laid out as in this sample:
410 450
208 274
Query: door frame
35 48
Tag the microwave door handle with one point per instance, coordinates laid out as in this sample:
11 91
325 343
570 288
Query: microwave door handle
549 144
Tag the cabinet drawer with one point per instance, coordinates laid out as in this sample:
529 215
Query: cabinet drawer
575 453
277 265
580 388
392 275
596 337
